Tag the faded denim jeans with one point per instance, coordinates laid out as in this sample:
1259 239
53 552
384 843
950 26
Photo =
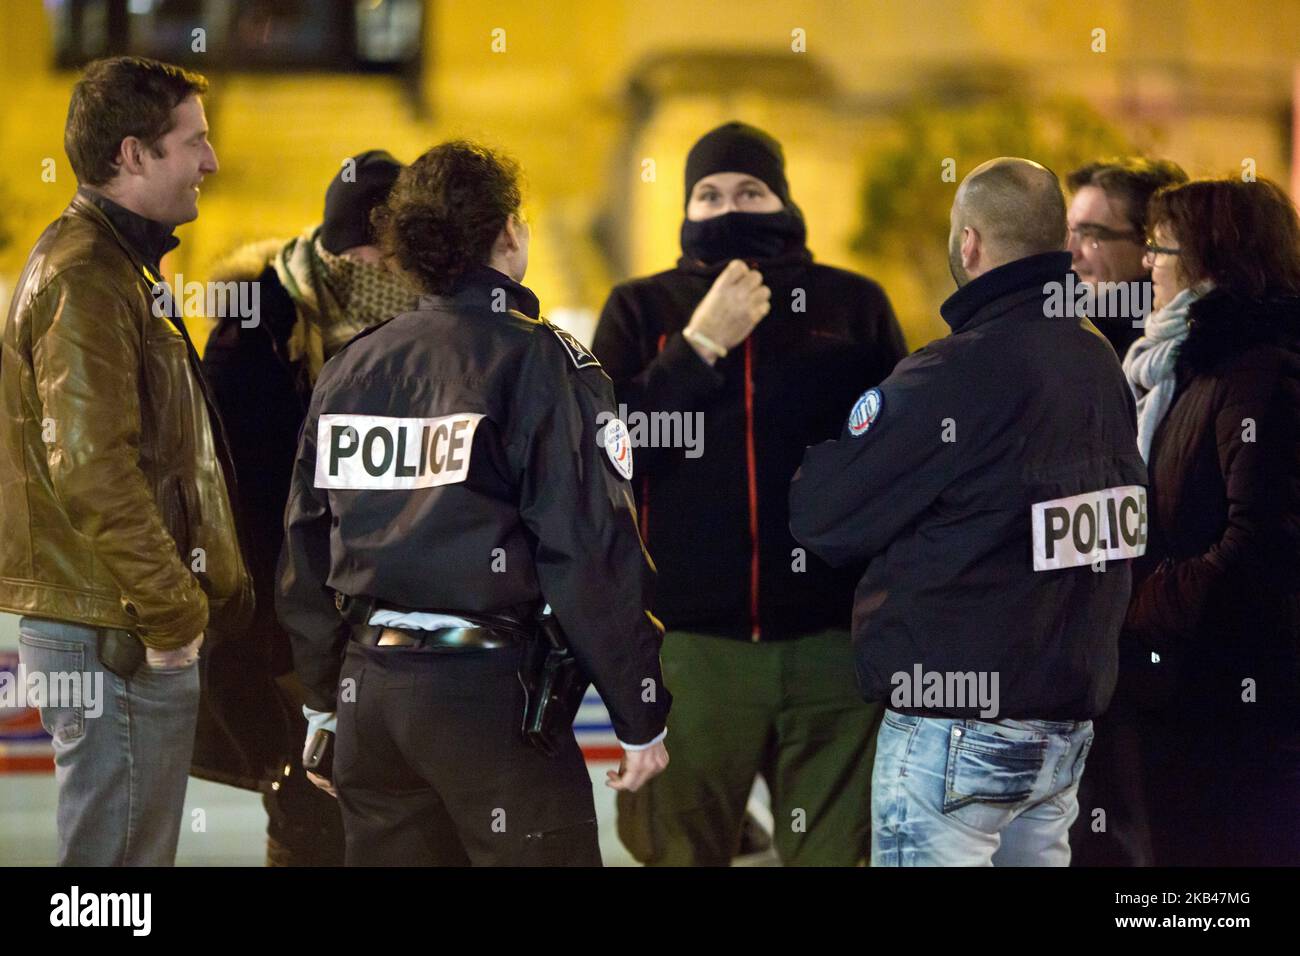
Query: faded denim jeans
950 792
122 761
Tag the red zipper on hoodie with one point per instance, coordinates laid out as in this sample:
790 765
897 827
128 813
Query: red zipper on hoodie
645 479
752 475
751 482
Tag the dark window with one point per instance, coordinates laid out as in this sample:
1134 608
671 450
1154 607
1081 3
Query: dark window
212 35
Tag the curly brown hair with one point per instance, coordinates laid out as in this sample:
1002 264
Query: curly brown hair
445 212
1245 236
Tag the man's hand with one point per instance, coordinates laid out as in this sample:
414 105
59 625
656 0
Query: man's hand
730 310
179 657
323 784
318 721
638 768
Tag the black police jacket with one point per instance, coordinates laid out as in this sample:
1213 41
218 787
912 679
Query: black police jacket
459 458
714 517
994 482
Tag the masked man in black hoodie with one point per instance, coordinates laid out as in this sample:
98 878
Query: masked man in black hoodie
729 365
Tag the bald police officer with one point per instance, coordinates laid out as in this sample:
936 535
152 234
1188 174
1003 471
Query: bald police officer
994 482
460 467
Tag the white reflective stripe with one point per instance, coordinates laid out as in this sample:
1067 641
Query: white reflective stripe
417 620
1105 525
375 451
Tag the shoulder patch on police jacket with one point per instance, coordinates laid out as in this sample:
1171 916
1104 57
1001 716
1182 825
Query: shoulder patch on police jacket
865 412
579 354
379 452
618 446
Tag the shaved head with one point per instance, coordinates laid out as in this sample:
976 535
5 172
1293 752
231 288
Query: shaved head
1004 210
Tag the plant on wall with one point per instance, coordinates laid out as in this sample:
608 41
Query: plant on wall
908 187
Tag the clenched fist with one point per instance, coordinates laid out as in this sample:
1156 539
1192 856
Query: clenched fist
729 311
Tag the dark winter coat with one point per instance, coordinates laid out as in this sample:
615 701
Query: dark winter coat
245 732
1217 597
717 522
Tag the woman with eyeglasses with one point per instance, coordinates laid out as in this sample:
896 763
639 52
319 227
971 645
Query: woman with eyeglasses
1211 649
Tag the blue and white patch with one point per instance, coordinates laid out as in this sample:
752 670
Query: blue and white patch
618 446
865 412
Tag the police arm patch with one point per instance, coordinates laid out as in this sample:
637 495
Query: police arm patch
579 354
382 453
865 412
618 447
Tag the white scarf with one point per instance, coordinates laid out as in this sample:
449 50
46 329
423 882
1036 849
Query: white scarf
1149 364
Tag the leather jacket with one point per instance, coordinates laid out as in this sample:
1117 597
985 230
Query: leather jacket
115 486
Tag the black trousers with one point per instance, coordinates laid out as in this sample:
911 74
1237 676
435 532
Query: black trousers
1222 792
431 769
1112 782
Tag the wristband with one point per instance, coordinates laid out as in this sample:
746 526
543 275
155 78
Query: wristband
699 337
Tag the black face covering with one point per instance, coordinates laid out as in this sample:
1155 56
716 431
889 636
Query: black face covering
743 235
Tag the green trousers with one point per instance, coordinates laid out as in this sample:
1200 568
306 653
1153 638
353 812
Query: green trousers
787 709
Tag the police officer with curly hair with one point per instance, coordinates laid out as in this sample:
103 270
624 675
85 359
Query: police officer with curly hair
460 471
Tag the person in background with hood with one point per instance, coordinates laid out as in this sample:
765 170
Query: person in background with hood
730 364
315 293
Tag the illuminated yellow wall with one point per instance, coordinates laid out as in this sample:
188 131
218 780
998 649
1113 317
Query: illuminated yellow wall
554 98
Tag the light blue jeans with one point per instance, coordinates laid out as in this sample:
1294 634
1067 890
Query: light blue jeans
121 761
949 792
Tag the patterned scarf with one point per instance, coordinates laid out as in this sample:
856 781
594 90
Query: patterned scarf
336 298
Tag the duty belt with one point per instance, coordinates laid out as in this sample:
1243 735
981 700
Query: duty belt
441 639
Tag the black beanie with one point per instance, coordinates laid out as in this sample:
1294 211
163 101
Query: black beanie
738 148
348 202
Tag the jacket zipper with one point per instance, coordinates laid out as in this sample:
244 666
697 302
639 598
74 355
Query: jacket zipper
750 469
225 460
645 479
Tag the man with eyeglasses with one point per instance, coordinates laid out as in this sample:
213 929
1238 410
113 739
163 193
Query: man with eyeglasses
1107 223
1108 242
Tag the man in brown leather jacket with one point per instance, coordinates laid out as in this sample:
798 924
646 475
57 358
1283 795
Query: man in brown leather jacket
117 538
